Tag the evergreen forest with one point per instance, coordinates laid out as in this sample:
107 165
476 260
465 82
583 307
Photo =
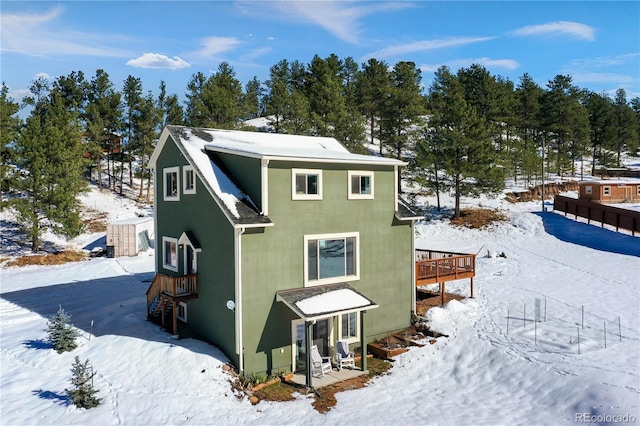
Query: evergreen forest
467 133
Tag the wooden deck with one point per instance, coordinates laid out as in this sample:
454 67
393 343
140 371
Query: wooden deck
438 267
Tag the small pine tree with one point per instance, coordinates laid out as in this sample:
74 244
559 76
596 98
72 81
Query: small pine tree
83 394
62 335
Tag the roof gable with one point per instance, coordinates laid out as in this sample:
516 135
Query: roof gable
237 206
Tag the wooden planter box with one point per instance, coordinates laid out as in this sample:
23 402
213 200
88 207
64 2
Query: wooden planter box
380 351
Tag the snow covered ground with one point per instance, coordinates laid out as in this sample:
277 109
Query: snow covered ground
499 365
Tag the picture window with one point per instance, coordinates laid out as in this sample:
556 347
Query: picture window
331 258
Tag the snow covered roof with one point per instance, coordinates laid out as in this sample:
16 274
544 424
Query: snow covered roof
610 182
234 202
276 146
200 146
132 220
317 302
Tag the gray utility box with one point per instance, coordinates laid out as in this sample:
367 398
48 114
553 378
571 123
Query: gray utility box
128 237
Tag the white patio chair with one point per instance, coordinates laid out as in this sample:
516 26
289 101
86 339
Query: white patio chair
319 364
345 358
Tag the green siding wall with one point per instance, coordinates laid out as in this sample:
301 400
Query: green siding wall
273 259
247 173
199 213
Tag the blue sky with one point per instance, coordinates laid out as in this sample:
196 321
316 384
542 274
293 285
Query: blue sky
597 43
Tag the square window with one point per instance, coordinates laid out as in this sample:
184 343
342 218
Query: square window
170 253
606 190
331 258
171 184
306 184
360 185
189 180
588 189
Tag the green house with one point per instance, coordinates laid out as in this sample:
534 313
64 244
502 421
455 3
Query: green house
267 244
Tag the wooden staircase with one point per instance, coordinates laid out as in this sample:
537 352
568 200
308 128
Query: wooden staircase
164 295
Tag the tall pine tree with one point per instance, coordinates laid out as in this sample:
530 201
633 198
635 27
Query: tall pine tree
465 147
49 154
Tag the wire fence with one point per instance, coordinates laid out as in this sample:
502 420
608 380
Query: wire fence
573 330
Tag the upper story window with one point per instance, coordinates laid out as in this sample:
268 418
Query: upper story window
306 184
188 180
172 184
360 185
170 253
606 190
331 258
587 189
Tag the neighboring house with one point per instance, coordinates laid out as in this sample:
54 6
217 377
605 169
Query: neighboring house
610 191
267 244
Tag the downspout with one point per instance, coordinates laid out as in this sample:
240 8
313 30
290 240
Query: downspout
395 185
237 240
265 186
413 267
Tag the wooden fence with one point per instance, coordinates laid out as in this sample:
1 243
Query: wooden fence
609 215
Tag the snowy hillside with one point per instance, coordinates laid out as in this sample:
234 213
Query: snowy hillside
499 365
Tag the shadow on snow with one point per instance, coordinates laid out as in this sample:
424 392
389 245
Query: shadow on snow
102 306
589 235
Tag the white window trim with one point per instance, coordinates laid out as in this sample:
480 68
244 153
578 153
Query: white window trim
606 190
638 189
588 189
182 318
166 172
331 280
353 196
166 240
355 339
294 195
185 170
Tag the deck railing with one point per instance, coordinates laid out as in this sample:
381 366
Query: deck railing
186 285
438 266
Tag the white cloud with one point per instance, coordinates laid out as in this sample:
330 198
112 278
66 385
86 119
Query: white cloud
404 49
158 61
211 46
603 61
256 53
44 35
339 18
557 28
43 75
597 77
454 66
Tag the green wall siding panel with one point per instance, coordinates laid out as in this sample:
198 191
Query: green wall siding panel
199 213
273 259
247 173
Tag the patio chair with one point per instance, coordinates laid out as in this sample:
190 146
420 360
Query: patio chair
345 358
319 364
